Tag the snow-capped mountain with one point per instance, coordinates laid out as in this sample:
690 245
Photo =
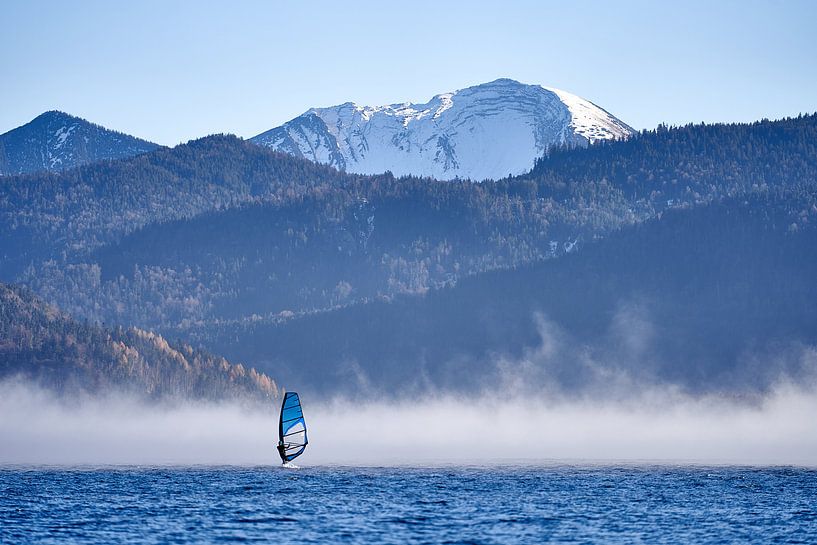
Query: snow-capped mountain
483 132
55 141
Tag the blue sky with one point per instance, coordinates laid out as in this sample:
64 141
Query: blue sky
171 71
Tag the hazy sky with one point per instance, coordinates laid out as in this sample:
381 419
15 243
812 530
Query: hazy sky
171 71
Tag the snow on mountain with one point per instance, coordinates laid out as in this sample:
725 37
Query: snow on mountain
55 141
483 132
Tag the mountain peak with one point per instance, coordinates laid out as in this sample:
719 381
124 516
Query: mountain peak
56 114
55 140
502 81
485 131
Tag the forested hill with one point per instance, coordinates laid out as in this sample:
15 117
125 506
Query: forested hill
716 299
691 163
275 235
39 343
53 215
221 234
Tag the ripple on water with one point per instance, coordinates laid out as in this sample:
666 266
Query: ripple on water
403 505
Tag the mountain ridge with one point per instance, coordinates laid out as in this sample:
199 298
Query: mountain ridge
486 131
55 140
221 229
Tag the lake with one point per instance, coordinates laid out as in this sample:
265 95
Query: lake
449 504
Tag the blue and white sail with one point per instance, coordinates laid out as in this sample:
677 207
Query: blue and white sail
292 438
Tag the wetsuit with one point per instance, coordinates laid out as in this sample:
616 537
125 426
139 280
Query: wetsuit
282 452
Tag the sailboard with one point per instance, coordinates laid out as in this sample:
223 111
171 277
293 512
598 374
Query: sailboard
292 438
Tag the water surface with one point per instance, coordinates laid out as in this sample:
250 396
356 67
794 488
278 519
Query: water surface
553 504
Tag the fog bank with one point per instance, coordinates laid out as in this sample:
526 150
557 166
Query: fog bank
655 426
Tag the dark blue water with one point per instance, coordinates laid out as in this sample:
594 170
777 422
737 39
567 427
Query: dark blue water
565 504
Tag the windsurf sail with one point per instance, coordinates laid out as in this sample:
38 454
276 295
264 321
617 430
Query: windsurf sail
292 439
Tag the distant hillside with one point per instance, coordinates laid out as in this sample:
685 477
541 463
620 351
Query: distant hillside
720 298
692 163
175 245
39 343
132 216
329 250
54 215
220 233
57 141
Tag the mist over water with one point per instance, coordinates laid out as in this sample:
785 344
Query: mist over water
629 360
653 425
557 402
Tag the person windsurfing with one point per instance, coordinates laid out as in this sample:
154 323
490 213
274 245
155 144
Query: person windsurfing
292 438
